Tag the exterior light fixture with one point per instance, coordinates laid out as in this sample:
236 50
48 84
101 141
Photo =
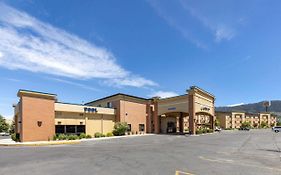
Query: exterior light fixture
39 123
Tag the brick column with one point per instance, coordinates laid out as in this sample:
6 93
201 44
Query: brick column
192 117
269 120
156 119
148 118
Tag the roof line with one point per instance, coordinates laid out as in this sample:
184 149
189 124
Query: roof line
196 87
173 97
25 90
117 95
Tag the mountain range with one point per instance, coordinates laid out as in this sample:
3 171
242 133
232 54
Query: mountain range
275 107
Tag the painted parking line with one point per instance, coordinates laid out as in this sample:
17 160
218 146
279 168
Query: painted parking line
238 163
183 173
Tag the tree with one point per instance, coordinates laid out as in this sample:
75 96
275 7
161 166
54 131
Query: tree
217 123
246 125
12 127
263 124
120 128
4 126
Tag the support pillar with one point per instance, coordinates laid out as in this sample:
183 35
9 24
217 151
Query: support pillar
156 119
192 117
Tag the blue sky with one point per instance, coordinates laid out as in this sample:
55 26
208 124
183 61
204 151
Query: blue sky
83 50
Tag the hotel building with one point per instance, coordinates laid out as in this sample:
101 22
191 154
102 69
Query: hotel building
39 116
235 119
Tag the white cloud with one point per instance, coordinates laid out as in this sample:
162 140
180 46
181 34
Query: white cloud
223 33
192 20
74 84
135 81
1 54
173 21
13 79
233 105
29 44
164 94
220 31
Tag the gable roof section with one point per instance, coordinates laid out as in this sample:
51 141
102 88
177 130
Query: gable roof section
131 96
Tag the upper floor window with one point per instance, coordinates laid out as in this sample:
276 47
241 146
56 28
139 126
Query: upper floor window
109 104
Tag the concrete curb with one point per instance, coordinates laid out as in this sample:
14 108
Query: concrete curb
42 143
114 137
205 134
68 142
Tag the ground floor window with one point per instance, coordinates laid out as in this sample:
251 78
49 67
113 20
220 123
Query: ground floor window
70 129
141 127
129 128
80 128
59 129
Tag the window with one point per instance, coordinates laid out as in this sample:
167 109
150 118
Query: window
80 128
109 104
129 128
141 127
59 129
70 128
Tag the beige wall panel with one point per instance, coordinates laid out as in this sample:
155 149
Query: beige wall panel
108 123
176 104
93 124
60 107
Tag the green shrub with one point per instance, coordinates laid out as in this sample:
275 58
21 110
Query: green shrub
246 125
120 128
55 137
72 137
263 124
98 135
109 134
82 136
14 137
199 131
88 136
62 137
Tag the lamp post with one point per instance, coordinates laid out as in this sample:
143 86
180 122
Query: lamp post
266 104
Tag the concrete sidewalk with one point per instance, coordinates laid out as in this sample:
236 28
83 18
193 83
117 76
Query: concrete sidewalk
10 142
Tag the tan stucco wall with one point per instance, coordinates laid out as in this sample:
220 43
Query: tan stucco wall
235 119
69 118
222 118
174 104
201 101
93 122
80 108
99 123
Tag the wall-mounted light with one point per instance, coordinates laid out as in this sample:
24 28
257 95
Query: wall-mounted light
39 123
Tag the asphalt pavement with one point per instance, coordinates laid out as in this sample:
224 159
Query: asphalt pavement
255 152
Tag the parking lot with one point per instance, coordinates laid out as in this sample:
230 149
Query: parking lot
229 152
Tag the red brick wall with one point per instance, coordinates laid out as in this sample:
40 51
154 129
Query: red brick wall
36 109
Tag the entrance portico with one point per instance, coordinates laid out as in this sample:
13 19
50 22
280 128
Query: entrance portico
173 122
188 112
